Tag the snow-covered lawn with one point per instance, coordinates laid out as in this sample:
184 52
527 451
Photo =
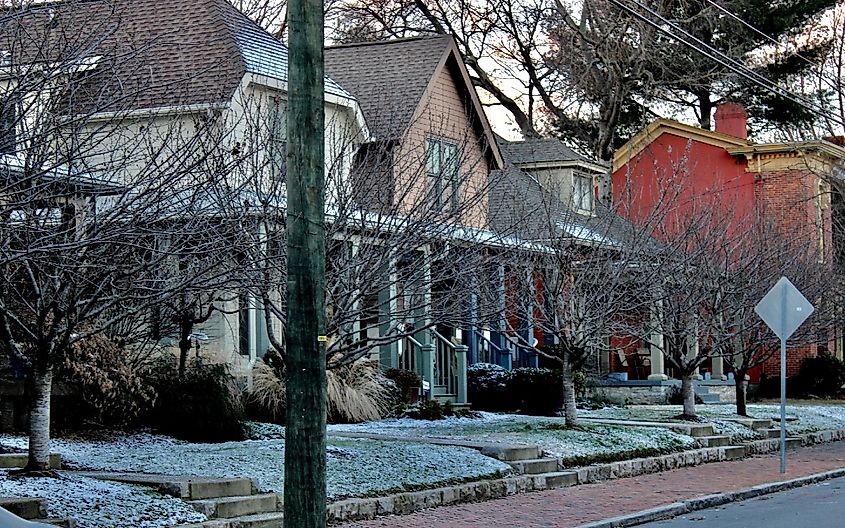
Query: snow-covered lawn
99 504
355 467
809 417
582 445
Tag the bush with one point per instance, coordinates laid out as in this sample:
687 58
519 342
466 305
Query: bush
487 387
201 406
425 410
113 389
821 376
527 390
536 391
408 383
358 392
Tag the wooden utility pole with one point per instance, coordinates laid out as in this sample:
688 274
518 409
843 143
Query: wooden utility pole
305 437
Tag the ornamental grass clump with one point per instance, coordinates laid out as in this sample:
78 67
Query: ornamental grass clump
358 392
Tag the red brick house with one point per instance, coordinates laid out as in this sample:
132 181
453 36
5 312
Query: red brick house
785 185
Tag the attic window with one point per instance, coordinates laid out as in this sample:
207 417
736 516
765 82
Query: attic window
582 192
441 167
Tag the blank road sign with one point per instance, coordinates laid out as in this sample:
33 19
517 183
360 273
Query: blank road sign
784 308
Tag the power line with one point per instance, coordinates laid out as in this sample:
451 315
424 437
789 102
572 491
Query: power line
720 58
771 39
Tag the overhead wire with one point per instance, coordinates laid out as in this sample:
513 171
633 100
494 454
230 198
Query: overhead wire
720 58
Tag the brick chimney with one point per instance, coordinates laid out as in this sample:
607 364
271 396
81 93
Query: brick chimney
732 119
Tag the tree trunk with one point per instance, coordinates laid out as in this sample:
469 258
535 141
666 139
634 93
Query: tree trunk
40 388
688 392
570 413
741 385
184 346
305 437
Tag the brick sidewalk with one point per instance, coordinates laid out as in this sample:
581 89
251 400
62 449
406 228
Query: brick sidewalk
569 507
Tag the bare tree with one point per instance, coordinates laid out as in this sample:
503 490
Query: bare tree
94 199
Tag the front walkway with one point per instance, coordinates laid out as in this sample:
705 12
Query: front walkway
569 507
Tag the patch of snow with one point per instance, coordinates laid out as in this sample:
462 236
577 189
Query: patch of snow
99 504
355 466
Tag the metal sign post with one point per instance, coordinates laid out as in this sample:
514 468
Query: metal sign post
783 310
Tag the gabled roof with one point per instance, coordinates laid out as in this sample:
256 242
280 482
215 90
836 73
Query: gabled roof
657 128
544 152
390 79
149 53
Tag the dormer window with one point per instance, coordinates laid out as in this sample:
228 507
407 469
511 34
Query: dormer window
441 167
583 196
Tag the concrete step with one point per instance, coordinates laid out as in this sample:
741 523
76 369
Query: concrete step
231 507
25 507
561 479
536 466
259 520
715 441
755 424
18 460
771 433
734 452
695 430
708 398
187 488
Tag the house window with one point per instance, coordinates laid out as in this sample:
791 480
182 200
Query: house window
441 166
278 143
582 191
8 114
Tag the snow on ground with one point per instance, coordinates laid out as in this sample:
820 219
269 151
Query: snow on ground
579 444
98 504
809 417
355 466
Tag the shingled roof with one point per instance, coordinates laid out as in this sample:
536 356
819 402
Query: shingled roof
538 150
388 78
148 53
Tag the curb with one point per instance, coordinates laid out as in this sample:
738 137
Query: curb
675 509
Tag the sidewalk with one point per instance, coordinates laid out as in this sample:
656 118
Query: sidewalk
568 507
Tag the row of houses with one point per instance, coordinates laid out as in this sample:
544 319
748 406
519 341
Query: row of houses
406 136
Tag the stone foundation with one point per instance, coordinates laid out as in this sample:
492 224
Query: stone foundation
653 392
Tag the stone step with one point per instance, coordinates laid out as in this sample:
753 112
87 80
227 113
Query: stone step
561 479
231 507
708 398
715 441
25 507
259 520
771 433
755 424
188 488
696 430
18 460
536 466
734 452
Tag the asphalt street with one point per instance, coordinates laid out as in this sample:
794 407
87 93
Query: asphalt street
818 506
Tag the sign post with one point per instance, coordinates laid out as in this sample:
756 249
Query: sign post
783 309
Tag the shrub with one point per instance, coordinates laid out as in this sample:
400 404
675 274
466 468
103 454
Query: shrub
357 392
201 406
113 389
536 391
407 381
821 376
425 410
487 387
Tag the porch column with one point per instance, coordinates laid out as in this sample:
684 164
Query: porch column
461 353
658 369
472 336
498 323
718 368
528 331
388 353
693 349
422 320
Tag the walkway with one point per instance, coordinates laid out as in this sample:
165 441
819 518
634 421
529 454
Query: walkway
568 507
